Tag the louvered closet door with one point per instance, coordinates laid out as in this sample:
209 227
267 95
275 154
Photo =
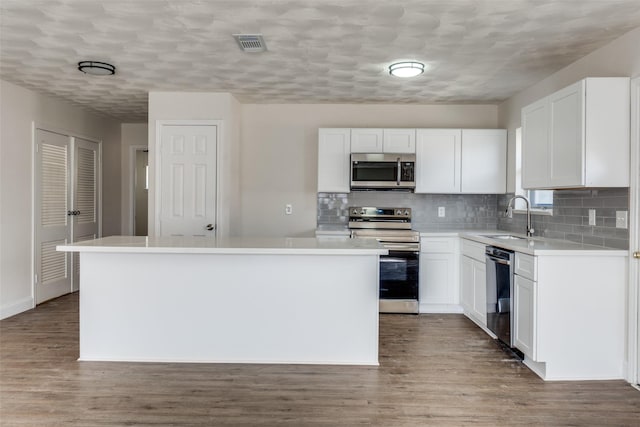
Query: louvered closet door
85 197
53 224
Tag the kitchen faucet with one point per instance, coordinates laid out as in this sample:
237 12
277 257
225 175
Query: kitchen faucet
509 212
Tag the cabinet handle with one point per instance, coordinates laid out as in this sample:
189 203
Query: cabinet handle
210 227
398 174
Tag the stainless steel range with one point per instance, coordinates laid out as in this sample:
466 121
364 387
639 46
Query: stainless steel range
398 270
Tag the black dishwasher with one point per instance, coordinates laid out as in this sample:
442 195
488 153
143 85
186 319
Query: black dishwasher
499 292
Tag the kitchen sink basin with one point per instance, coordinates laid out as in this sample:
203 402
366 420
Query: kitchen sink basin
506 237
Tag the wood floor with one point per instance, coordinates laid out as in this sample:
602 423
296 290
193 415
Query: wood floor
434 370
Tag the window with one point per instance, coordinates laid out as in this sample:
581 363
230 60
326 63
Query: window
541 200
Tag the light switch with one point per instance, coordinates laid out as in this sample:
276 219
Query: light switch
288 209
441 212
622 219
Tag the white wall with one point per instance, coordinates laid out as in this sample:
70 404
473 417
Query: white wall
279 154
20 107
201 106
132 134
620 58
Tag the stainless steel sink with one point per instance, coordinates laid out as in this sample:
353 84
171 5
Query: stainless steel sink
506 237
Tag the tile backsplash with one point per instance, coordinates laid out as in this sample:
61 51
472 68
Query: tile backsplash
462 211
570 219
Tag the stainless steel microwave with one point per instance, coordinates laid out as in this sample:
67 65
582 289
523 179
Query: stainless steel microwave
383 171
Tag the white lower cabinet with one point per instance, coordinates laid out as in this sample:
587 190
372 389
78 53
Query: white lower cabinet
524 303
439 275
569 314
473 282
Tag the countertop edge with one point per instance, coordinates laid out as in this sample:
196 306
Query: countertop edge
221 251
477 236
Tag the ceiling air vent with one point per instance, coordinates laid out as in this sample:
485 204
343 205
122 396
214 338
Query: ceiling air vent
251 42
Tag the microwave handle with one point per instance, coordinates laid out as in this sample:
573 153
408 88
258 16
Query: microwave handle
398 174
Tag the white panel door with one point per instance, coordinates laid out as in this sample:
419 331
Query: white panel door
52 215
399 141
436 279
334 163
438 160
366 140
188 180
524 304
466 283
484 161
535 149
480 291
566 136
86 197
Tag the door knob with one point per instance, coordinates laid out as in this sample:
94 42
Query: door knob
210 227
636 254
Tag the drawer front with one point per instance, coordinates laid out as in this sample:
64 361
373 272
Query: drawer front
526 266
437 245
473 250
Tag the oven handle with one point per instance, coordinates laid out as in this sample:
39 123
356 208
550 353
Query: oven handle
398 174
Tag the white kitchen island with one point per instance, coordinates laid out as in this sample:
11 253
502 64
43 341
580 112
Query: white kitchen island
231 300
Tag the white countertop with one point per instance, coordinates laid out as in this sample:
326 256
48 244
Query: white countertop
530 245
228 245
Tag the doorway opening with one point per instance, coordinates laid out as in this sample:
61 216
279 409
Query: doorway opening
140 192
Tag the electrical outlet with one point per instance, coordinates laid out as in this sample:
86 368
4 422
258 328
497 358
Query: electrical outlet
288 209
622 219
441 212
592 217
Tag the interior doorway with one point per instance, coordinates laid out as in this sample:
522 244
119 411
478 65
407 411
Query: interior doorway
141 192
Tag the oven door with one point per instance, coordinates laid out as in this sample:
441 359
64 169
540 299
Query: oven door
399 275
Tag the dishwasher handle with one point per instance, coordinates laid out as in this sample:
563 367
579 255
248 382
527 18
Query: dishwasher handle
498 260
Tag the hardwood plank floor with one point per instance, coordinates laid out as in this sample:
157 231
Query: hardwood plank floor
434 370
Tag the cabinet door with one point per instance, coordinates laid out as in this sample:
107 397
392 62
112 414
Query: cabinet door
484 161
566 136
399 141
524 303
466 283
333 160
480 292
436 279
366 140
438 160
535 136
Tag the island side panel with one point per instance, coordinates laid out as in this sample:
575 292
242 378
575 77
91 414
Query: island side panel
319 309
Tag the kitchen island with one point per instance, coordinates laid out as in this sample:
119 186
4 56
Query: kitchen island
229 300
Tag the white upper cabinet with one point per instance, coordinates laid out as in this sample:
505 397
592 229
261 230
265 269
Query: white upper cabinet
334 160
374 140
484 161
578 136
438 160
365 140
461 161
534 151
399 141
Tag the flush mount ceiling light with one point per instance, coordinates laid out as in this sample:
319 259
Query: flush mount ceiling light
406 69
96 68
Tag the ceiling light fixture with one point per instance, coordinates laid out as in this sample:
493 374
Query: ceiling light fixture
406 69
96 68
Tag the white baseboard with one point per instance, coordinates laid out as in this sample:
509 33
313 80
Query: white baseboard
441 308
17 307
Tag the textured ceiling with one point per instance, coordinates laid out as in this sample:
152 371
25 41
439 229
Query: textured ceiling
319 51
